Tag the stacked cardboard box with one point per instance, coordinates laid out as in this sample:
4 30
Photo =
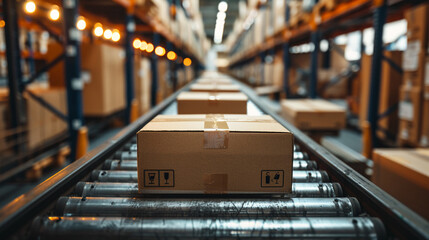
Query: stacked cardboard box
44 124
214 88
389 93
214 154
311 114
403 173
224 81
413 64
424 140
205 103
143 80
105 92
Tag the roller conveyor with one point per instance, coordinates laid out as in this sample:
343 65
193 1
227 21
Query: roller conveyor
202 228
86 202
108 189
132 165
131 176
220 207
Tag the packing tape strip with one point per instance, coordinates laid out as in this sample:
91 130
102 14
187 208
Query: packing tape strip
216 132
227 119
215 183
214 98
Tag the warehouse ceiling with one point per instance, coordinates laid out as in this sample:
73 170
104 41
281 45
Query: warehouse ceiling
209 10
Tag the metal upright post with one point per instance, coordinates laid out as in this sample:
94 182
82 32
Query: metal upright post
154 70
74 83
286 67
13 58
314 64
377 56
129 69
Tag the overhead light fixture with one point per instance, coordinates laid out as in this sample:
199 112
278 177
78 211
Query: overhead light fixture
160 51
171 55
220 22
143 45
221 15
187 62
81 23
116 36
137 43
107 34
54 14
29 7
98 30
149 48
222 7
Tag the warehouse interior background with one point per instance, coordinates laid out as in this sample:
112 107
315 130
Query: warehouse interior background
351 75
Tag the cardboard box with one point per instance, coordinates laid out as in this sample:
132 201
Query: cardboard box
143 82
224 81
410 115
404 174
314 114
390 83
105 92
44 124
424 138
214 88
205 103
214 154
389 88
417 37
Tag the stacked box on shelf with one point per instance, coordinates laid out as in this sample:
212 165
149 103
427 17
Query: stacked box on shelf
43 125
424 140
279 11
104 94
143 80
211 103
259 28
411 99
268 73
389 93
164 84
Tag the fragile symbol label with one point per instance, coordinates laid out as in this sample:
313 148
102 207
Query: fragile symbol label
159 178
272 178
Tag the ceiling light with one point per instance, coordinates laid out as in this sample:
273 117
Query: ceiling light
223 6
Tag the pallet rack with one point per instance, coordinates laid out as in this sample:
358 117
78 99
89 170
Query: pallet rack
346 17
128 17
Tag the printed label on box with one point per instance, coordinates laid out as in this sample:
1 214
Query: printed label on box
410 60
272 178
159 178
406 110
